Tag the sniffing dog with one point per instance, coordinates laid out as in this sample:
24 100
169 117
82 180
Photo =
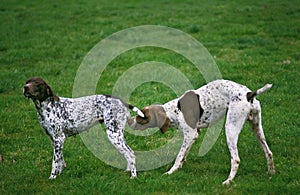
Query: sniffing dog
197 109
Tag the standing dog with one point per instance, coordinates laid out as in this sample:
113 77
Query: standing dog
197 109
63 117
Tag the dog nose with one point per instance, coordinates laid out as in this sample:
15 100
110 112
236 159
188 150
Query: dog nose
25 89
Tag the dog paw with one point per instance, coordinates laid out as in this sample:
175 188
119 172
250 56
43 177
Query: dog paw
271 171
133 176
172 170
127 169
227 182
52 176
168 173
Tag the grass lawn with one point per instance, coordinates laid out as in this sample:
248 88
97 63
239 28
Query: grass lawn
252 42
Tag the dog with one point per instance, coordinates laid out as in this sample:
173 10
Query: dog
197 109
62 117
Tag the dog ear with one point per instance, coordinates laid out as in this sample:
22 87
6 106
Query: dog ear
155 116
165 126
190 107
146 119
51 93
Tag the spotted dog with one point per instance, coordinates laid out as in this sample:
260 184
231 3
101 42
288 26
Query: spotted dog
62 117
197 109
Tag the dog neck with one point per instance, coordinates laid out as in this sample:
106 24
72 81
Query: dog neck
39 104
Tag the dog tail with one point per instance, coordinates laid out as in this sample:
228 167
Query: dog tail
131 107
253 94
136 110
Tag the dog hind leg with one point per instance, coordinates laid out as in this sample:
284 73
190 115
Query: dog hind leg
235 120
115 135
256 126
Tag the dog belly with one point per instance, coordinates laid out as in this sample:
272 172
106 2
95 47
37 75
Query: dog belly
80 126
211 117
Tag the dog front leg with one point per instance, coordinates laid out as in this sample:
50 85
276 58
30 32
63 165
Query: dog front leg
190 136
58 162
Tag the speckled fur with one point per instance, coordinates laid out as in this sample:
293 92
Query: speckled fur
65 117
218 98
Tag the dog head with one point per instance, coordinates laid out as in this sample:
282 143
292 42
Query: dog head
38 90
155 116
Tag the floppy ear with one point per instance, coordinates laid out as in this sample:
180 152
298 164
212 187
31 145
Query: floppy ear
155 116
191 109
51 93
146 119
165 126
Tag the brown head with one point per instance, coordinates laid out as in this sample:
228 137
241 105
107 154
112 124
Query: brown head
38 90
155 116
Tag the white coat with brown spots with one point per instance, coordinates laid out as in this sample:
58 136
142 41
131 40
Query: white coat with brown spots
197 109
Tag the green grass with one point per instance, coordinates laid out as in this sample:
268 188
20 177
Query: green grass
251 42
